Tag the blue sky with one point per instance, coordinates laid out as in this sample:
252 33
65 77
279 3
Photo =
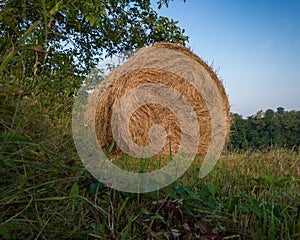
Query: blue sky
254 45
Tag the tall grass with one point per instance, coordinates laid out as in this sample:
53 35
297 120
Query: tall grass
46 193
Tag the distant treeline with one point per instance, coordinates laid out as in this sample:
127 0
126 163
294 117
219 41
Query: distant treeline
266 130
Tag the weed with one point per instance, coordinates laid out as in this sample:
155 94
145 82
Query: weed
47 193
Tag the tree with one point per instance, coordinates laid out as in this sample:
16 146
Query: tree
280 110
238 135
266 129
61 40
272 129
291 129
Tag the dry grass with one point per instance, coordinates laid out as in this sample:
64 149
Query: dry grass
253 195
46 193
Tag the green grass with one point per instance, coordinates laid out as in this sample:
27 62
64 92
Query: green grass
46 193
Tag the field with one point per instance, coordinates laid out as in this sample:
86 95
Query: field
47 52
46 193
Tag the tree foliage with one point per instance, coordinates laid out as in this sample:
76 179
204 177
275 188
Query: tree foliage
62 40
266 129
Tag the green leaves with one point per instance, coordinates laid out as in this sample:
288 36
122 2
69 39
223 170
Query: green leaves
56 8
74 192
10 53
73 34
266 130
4 232
96 187
6 58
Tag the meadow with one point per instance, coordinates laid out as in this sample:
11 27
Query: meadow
47 49
46 193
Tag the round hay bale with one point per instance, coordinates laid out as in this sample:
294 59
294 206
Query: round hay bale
124 78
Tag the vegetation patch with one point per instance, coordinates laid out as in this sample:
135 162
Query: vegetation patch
46 49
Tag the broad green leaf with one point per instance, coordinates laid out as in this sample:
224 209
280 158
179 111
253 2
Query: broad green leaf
74 192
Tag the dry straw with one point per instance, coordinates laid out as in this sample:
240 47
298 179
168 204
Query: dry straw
121 82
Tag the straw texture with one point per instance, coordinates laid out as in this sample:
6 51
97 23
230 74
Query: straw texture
143 118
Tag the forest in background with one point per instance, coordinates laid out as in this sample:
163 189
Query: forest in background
265 130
